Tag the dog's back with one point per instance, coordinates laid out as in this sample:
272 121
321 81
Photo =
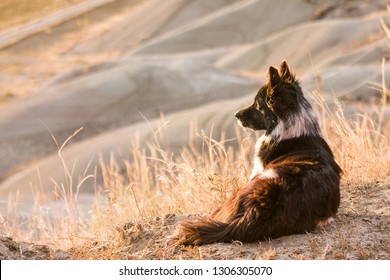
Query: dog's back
294 185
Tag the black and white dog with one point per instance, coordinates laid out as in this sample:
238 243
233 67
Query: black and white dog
294 185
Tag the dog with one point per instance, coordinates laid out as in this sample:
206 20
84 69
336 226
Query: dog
294 184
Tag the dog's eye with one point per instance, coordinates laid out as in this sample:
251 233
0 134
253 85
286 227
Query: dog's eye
259 108
271 101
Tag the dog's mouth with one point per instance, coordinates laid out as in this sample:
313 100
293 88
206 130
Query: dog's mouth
244 124
241 123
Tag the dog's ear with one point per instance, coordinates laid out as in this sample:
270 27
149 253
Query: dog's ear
274 78
284 71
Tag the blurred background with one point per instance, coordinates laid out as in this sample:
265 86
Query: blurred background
123 69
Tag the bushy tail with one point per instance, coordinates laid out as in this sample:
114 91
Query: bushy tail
207 230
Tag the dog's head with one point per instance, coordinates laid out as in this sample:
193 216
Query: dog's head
275 101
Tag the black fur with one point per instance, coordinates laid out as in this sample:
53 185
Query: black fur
294 184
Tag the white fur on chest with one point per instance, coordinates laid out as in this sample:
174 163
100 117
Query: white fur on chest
258 167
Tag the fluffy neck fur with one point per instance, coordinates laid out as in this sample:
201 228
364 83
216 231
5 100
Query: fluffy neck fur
302 123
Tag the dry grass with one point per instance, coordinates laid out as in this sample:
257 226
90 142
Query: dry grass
157 183
360 144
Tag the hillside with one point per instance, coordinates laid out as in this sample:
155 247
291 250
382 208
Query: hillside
154 85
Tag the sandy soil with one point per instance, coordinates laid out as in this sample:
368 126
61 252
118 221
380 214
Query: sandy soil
12 250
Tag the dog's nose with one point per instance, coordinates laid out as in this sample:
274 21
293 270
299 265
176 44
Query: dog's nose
237 114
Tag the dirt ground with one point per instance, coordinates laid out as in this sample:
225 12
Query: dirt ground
360 231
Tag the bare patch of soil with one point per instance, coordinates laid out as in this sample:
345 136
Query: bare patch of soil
12 250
